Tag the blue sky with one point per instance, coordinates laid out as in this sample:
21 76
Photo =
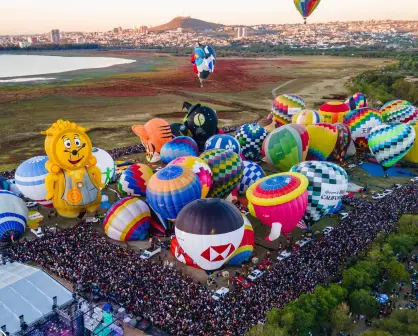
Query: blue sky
37 16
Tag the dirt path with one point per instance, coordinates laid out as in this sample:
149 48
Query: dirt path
274 91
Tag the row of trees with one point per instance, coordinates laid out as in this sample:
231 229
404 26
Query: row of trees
329 307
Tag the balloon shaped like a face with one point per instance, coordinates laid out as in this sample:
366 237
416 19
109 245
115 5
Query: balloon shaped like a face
178 147
250 138
357 101
154 134
13 216
202 121
285 106
361 122
401 114
200 168
209 231
129 219
322 140
223 141
390 143
134 180
328 183
334 112
106 164
279 201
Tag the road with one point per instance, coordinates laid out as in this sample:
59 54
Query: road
274 91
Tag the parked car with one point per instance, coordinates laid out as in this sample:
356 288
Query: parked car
327 230
303 242
91 220
387 192
37 232
378 196
255 275
31 204
397 186
284 255
241 282
147 254
220 293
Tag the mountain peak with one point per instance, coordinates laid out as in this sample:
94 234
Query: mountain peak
186 22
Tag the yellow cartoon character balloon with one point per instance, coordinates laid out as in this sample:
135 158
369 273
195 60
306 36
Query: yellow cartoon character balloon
73 181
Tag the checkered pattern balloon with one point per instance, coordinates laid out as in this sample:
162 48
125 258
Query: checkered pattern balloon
252 173
227 169
285 106
401 114
328 183
390 143
251 137
391 105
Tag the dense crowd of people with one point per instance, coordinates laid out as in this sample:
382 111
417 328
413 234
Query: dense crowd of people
176 304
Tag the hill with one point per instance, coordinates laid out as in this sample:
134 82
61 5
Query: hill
186 22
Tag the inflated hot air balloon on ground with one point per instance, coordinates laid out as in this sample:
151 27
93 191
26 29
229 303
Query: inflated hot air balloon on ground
401 114
246 248
223 141
173 187
334 112
391 105
279 201
178 147
304 136
30 180
306 7
328 183
412 155
283 148
200 168
307 117
106 165
390 143
285 107
250 138
209 230
357 101
13 216
227 169
322 141
251 174
202 121
204 61
4 185
154 134
179 129
360 122
134 180
128 219
180 255
343 142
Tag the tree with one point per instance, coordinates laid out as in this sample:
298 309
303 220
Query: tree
273 317
375 333
361 302
408 225
340 321
354 278
400 322
266 330
401 243
381 254
396 272
338 292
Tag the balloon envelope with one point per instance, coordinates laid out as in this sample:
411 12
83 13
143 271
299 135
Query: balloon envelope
361 122
386 108
343 142
13 216
334 112
178 147
134 180
306 7
401 114
251 174
202 121
285 106
412 155
250 138
357 101
223 141
307 117
322 141
106 165
246 248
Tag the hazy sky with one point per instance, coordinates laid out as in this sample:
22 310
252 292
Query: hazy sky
38 16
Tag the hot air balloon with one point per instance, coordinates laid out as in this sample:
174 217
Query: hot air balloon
154 134
357 101
202 121
306 7
401 114
13 216
328 183
251 174
200 168
226 167
390 143
343 142
304 136
209 231
223 141
285 106
250 138
307 117
180 255
179 129
279 201
128 219
351 151
412 155
334 112
360 122
106 165
322 141
4 185
30 180
283 148
173 187
204 61
178 147
246 248
391 105
134 180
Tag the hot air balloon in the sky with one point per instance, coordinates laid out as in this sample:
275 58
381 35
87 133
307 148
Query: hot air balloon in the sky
306 7
328 183
279 201
250 138
204 61
322 140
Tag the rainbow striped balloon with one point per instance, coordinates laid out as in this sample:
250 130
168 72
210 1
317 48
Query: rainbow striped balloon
401 114
307 117
361 122
244 251
334 111
357 101
322 140
391 105
285 106
133 181
127 220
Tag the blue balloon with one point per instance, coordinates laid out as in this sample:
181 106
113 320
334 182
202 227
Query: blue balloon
223 141
251 137
252 173
13 216
178 147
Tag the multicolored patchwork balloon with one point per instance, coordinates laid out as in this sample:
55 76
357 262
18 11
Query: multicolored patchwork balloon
227 169
134 180
343 142
223 141
307 117
178 147
334 111
322 141
250 138
285 106
390 143
360 122
391 105
252 173
401 114
304 136
328 183
357 101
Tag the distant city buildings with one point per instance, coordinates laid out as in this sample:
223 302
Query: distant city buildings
118 30
241 32
80 40
55 36
24 44
144 30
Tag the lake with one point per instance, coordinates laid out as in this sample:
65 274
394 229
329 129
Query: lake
30 65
